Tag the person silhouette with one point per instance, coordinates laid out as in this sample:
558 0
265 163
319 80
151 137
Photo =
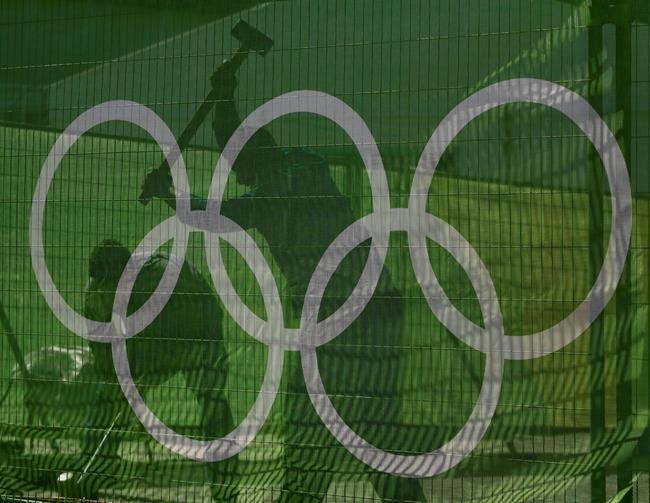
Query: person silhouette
186 337
294 203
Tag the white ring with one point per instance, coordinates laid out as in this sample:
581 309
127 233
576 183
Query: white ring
211 450
117 110
342 115
585 117
455 450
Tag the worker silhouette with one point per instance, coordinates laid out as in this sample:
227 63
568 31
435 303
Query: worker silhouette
295 205
186 337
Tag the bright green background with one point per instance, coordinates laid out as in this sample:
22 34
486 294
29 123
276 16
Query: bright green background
514 183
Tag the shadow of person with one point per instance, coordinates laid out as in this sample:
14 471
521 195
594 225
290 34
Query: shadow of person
186 338
294 203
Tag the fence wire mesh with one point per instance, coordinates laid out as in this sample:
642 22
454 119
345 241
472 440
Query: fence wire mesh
403 255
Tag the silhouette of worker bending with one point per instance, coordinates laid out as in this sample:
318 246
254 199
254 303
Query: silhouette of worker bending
295 205
186 338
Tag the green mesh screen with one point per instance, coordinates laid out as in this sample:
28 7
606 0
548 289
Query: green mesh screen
348 250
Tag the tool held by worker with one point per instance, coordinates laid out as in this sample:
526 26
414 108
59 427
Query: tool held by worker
251 40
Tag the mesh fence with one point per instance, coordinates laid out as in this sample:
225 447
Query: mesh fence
341 250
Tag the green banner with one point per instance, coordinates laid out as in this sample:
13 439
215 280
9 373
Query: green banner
325 250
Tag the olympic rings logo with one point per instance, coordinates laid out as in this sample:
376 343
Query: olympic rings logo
420 225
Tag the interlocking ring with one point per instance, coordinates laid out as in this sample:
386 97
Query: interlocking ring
377 226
